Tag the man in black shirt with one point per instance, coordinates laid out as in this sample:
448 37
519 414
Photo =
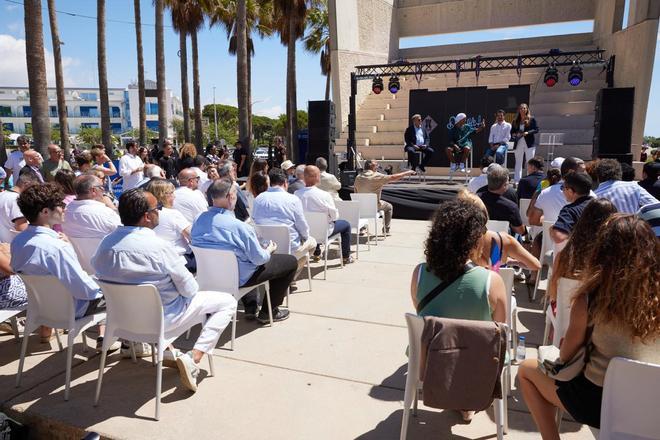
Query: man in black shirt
499 207
167 162
528 184
576 189
650 180
241 157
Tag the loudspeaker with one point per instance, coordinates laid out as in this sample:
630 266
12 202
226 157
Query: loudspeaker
321 125
622 158
613 122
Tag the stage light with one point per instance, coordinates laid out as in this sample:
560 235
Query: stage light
551 76
394 85
377 85
575 75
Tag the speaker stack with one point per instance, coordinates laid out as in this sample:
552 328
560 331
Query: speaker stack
321 125
613 124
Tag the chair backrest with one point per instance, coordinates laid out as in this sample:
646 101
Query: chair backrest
497 225
507 274
349 211
368 204
546 242
629 409
49 302
566 288
278 234
524 205
318 225
85 249
216 270
415 328
135 312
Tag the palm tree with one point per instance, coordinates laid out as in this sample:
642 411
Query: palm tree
188 19
317 39
36 70
140 62
106 134
290 16
185 97
59 79
242 56
160 75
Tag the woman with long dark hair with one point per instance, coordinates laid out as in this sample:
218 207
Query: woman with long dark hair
523 134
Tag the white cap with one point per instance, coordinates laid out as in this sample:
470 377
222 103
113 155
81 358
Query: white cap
556 163
287 164
459 117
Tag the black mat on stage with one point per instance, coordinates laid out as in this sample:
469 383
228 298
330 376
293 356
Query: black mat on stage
416 203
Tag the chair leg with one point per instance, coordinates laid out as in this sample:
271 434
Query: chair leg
133 357
84 338
505 401
153 355
100 379
59 341
233 330
325 267
211 368
69 360
14 327
357 243
21 362
558 418
270 306
408 397
188 334
159 383
499 418
546 329
341 257
536 284
376 226
415 402
309 274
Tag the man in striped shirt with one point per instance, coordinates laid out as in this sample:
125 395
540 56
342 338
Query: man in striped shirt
651 215
628 197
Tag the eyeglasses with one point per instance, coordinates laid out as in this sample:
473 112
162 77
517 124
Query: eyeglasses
158 207
194 178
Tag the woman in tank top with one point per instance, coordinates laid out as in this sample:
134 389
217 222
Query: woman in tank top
619 299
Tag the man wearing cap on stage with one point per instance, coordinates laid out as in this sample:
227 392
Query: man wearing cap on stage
417 140
500 133
460 142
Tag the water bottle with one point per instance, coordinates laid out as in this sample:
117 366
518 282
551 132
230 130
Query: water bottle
520 349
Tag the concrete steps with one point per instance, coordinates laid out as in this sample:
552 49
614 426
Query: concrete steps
563 108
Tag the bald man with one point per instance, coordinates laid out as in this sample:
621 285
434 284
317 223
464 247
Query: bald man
188 199
316 200
33 161
54 163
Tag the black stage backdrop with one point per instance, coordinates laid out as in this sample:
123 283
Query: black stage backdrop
416 203
478 103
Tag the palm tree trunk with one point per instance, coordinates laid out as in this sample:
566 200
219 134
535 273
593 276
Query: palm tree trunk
249 93
160 75
59 80
242 88
36 70
185 101
199 134
140 62
106 134
291 105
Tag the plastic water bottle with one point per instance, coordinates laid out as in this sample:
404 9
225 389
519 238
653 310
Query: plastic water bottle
520 349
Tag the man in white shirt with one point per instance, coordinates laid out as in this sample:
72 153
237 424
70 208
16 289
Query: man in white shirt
476 183
549 202
15 160
500 134
200 169
11 217
315 200
131 166
188 200
87 216
328 182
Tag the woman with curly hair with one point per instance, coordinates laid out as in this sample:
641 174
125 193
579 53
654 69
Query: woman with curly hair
619 300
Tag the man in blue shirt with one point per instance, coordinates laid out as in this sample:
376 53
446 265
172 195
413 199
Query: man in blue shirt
628 197
576 189
417 140
219 229
39 250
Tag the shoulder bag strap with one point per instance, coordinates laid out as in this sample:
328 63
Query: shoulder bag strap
440 288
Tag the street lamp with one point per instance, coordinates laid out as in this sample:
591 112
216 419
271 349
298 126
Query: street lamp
215 115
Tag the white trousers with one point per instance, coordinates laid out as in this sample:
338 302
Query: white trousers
528 152
220 308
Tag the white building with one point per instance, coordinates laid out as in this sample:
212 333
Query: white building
83 108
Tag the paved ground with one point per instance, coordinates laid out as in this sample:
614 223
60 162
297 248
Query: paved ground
334 370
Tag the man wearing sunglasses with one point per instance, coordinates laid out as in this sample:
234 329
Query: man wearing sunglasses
188 199
88 216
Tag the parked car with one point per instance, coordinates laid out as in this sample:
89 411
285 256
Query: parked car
260 153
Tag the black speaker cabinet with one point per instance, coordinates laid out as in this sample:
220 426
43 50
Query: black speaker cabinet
322 135
622 158
613 121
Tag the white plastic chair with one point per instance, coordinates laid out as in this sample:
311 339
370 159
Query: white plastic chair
135 313
546 256
566 288
508 275
369 209
497 226
630 401
524 204
318 228
85 249
10 315
350 211
51 304
413 381
467 172
279 234
218 270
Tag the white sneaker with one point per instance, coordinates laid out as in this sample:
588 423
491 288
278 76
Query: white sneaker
188 371
452 166
142 349
169 358
462 167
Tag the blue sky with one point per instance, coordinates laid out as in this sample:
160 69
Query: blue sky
217 67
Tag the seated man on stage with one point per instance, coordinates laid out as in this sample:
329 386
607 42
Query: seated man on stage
500 133
460 142
417 140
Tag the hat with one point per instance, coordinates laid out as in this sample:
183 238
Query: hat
287 164
416 116
556 162
459 117
3 173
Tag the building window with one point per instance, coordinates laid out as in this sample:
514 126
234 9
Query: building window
27 111
88 96
152 108
28 128
9 126
5 111
89 125
115 112
89 112
53 111
115 127
152 125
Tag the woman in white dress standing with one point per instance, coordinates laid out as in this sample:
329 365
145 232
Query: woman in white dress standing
523 134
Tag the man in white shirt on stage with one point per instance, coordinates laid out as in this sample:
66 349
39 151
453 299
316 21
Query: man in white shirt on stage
87 216
187 199
500 133
131 166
